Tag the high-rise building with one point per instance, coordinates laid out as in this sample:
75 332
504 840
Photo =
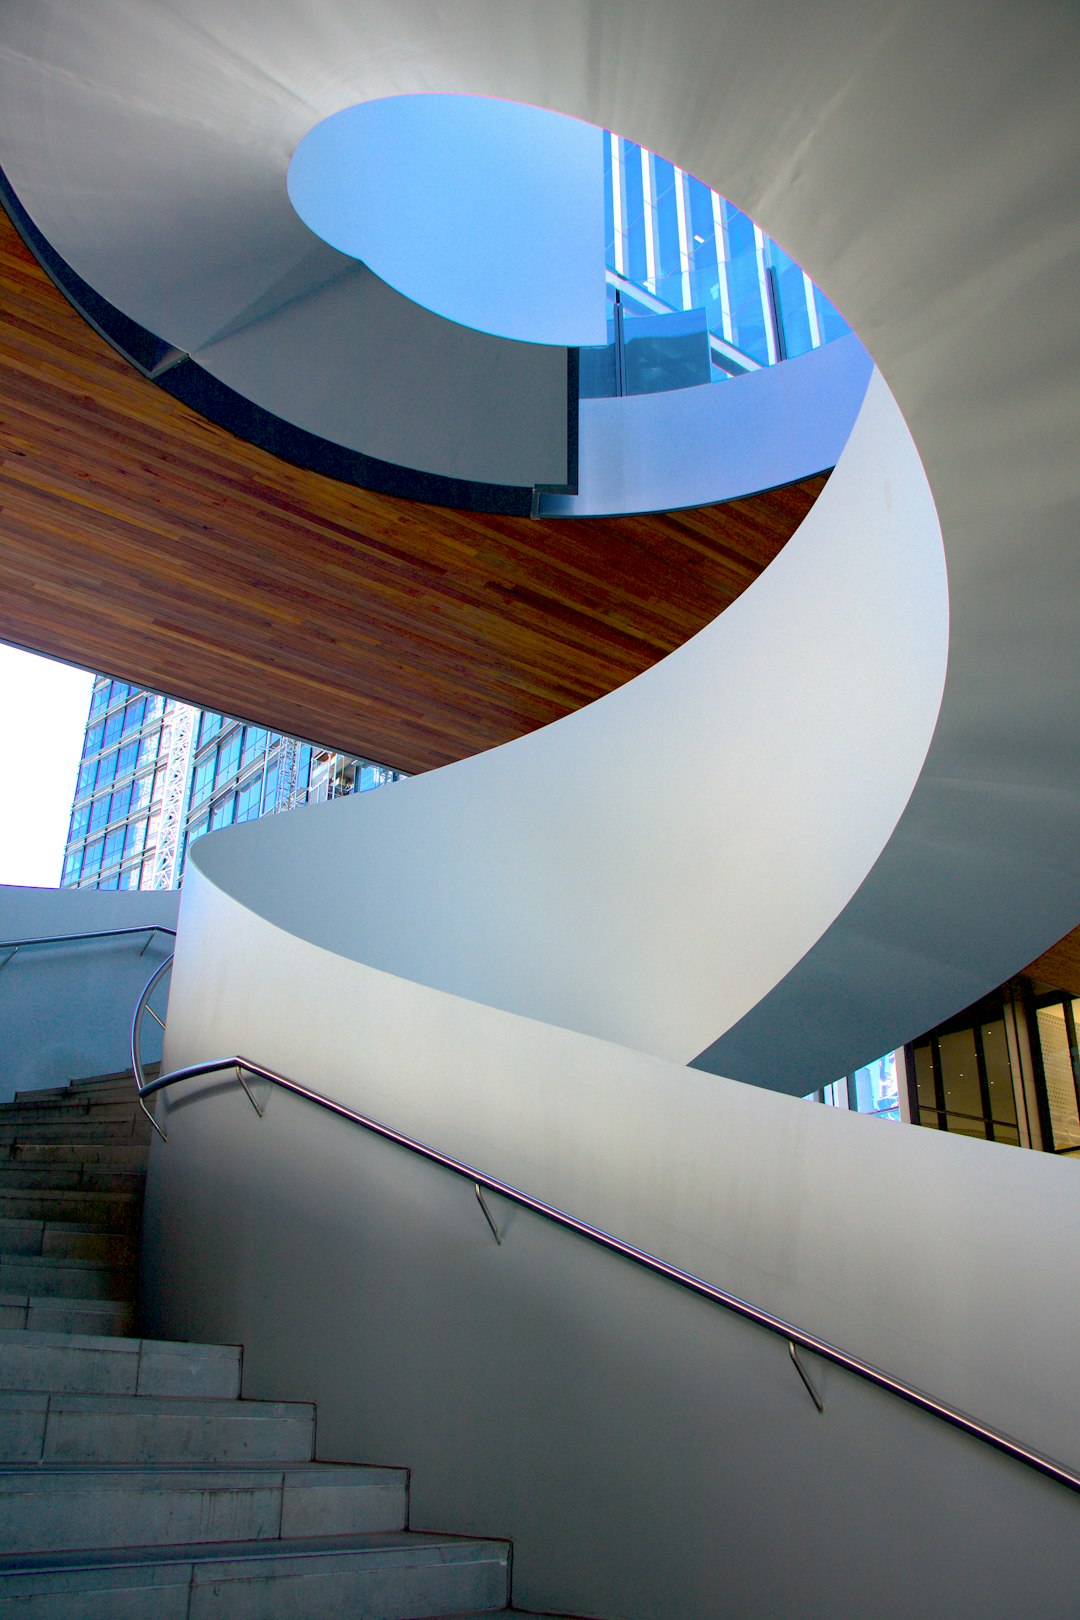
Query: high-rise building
156 774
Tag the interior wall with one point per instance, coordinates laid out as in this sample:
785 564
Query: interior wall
66 1009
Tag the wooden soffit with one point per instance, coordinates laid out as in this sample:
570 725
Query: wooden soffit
138 539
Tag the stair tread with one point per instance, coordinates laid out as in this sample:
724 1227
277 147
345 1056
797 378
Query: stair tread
225 1409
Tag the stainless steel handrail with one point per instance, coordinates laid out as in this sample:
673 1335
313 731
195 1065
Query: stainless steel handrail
16 945
797 1338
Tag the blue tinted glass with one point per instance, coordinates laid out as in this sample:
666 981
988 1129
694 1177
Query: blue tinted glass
701 224
747 314
92 745
140 792
740 232
209 726
92 858
203 780
106 769
114 848
222 814
133 716
663 178
119 689
667 230
113 727
72 866
791 290
135 839
637 265
99 813
121 800
86 780
79 821
127 759
100 699
632 187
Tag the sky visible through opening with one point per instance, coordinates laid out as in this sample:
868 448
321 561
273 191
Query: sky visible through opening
42 723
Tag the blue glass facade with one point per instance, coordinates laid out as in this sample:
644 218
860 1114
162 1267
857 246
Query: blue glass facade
674 246
141 747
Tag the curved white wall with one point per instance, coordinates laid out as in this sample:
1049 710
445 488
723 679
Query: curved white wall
648 868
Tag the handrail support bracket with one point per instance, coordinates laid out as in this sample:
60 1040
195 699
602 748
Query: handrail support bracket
482 1201
250 1094
804 1375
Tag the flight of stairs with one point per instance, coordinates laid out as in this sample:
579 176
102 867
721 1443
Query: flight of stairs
135 1484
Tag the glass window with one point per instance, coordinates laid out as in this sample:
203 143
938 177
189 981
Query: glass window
270 781
92 745
254 743
155 706
209 726
228 762
119 691
129 877
118 806
113 727
247 803
86 780
106 770
1058 1071
203 780
223 812
135 839
140 792
133 716
100 699
92 858
148 750
72 866
127 759
99 812
80 819
113 852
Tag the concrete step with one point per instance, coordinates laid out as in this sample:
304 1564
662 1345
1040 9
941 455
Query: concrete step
73 1177
50 1276
113 1210
69 1239
47 1508
59 1109
390 1576
82 1364
117 1155
80 1128
104 1428
97 1316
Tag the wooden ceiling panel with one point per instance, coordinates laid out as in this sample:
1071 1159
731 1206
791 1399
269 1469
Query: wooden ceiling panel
139 539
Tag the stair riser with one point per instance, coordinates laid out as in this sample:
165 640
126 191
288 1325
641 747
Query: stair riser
57 1277
148 1367
115 1111
69 1178
133 1131
99 1317
55 1240
332 1587
163 1511
114 1211
62 1435
113 1155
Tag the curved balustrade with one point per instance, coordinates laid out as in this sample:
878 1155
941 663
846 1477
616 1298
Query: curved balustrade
797 1338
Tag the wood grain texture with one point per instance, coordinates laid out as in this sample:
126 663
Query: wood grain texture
1060 965
138 539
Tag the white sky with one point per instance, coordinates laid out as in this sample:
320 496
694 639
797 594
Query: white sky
43 709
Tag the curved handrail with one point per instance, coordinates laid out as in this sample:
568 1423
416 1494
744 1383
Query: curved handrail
16 945
797 1338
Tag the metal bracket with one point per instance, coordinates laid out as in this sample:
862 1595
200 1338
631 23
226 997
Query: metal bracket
149 938
152 1120
8 959
482 1201
155 1017
805 1376
247 1088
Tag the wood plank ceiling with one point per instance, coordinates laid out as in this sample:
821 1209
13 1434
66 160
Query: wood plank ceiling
138 539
